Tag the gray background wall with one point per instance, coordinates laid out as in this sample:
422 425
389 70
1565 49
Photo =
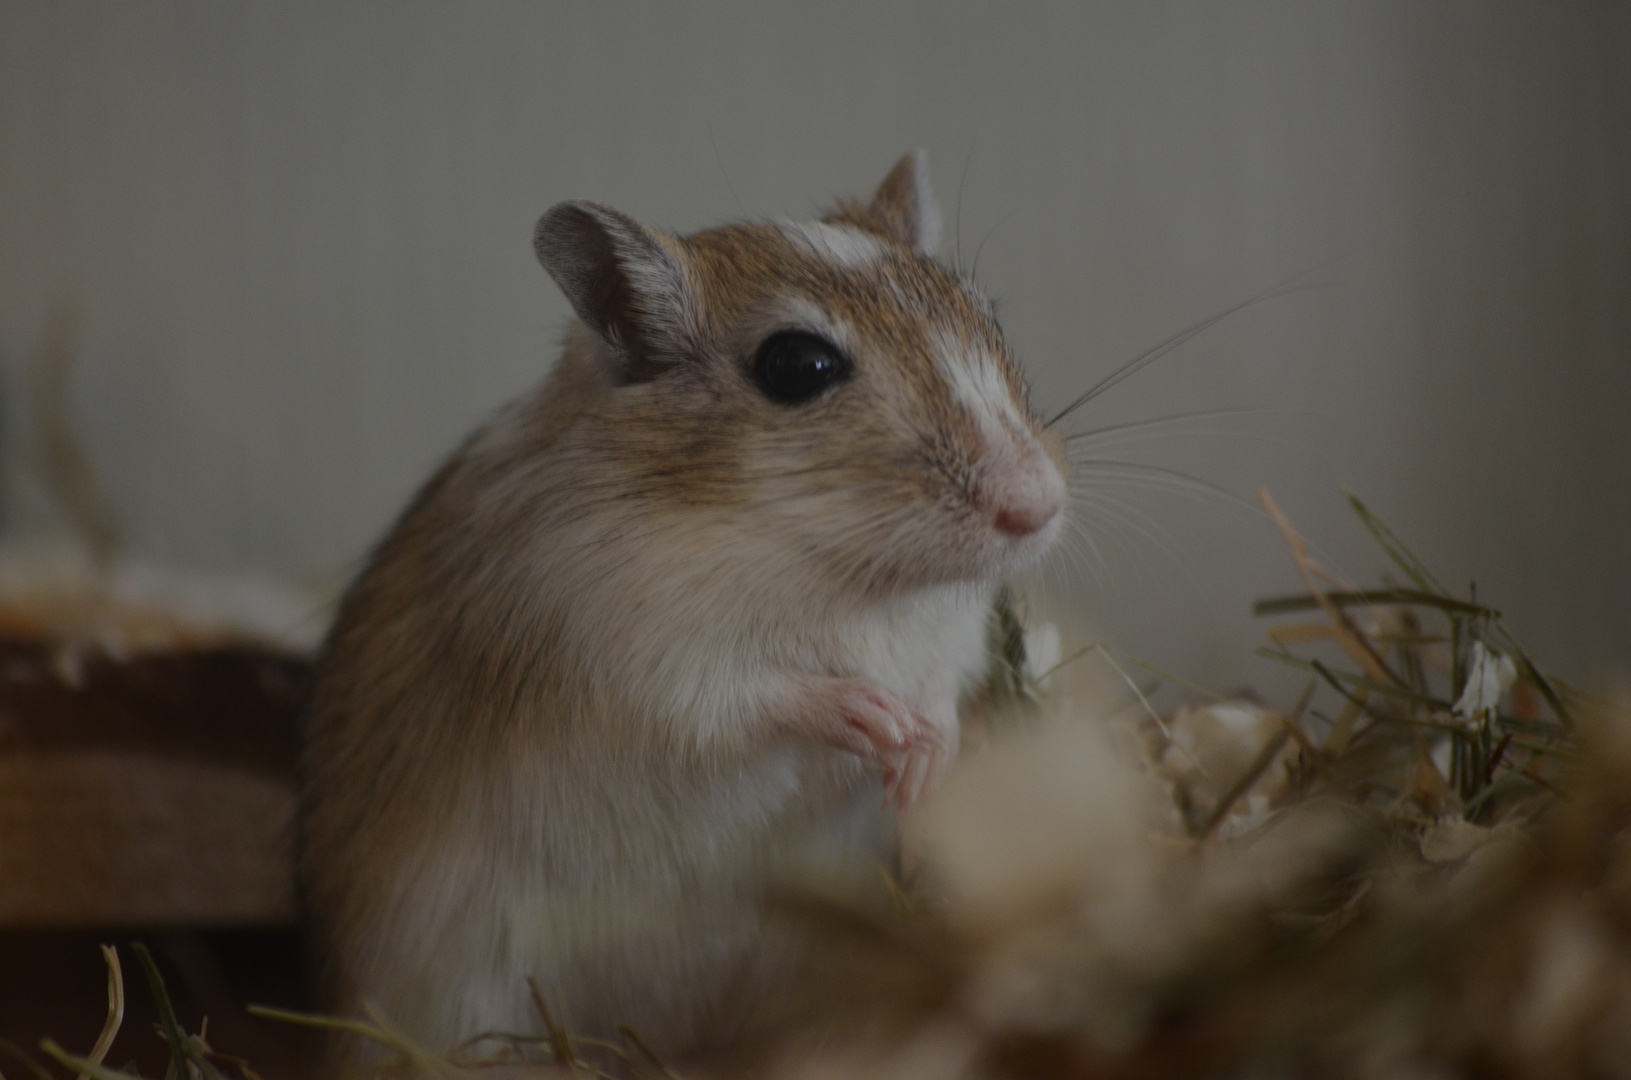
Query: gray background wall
297 240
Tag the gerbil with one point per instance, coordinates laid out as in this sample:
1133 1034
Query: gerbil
661 629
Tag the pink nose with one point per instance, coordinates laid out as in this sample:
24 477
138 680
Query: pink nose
1027 507
1023 519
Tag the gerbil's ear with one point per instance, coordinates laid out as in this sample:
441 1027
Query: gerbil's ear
905 203
621 280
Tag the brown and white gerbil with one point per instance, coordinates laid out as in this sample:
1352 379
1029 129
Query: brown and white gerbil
658 632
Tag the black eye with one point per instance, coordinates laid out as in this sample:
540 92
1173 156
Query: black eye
793 366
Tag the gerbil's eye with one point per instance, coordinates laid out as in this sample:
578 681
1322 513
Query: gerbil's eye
793 366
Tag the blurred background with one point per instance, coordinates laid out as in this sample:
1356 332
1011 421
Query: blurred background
287 247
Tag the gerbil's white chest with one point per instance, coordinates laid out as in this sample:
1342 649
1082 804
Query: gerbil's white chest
929 646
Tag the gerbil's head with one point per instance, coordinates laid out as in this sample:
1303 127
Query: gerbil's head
825 390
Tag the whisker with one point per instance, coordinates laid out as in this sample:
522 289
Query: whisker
1158 421
1162 348
957 215
1160 476
1116 551
1145 438
1083 547
1098 514
974 271
1066 564
720 160
1103 499
1127 515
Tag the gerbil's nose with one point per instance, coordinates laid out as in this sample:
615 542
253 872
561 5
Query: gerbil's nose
1031 497
1023 519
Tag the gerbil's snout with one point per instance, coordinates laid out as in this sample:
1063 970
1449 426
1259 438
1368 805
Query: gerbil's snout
1024 512
1022 491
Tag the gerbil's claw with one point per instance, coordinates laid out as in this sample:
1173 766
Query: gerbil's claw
898 790
866 719
860 716
904 784
891 784
923 767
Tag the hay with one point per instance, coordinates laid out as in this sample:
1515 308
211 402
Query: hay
1420 868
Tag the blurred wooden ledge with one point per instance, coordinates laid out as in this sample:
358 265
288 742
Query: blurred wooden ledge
147 766
153 790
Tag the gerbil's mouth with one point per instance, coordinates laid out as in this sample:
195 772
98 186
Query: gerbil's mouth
1025 544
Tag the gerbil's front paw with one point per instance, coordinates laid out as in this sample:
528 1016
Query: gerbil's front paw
864 718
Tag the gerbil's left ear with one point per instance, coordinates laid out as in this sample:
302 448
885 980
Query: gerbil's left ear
905 203
622 280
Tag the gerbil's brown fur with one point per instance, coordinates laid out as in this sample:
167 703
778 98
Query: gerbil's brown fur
648 641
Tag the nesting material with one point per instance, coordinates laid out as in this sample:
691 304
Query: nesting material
1419 868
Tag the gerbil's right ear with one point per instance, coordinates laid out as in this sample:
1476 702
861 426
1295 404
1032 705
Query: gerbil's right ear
905 203
621 280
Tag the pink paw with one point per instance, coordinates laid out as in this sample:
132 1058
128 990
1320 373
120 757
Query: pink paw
872 722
